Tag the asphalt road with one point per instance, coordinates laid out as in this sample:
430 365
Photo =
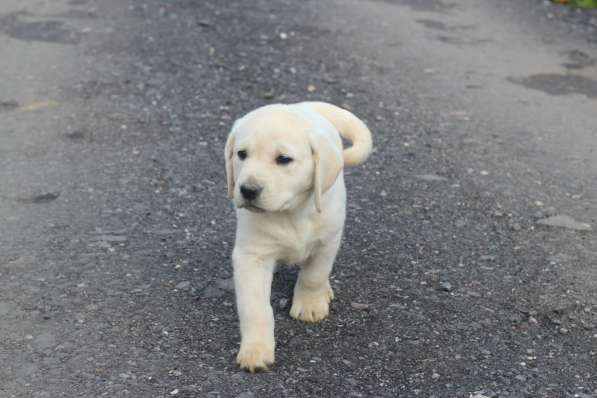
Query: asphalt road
454 279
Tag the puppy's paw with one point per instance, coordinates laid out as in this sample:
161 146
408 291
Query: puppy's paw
311 305
255 356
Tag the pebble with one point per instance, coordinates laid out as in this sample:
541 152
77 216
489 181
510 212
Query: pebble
184 285
460 223
283 303
352 381
565 221
516 226
110 238
446 286
359 306
431 177
212 292
225 284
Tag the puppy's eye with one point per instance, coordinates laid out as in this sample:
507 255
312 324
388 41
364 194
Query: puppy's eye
282 160
242 155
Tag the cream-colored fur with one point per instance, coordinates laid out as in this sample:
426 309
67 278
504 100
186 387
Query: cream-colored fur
297 216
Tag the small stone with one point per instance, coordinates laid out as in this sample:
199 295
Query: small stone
283 303
487 258
516 226
359 306
446 286
564 221
551 211
174 392
563 331
311 88
435 376
268 94
583 395
184 285
431 177
212 292
110 238
225 284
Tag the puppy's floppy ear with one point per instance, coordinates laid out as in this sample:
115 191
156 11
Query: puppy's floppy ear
229 156
328 162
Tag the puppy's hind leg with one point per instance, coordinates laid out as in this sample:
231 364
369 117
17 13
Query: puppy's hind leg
312 292
252 284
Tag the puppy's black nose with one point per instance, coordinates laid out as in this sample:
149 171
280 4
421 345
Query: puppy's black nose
250 191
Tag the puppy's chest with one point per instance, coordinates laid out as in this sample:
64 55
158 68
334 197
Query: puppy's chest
297 243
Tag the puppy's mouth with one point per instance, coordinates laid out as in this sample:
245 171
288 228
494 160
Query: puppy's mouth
252 207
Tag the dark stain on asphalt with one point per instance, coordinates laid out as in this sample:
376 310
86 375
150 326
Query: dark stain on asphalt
9 105
425 5
578 60
559 84
52 31
462 41
77 14
77 135
431 24
39 199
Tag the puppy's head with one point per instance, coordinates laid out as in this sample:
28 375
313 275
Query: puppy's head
277 158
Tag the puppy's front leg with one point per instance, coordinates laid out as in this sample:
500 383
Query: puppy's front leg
252 283
312 292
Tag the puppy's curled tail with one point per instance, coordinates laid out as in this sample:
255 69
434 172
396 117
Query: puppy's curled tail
351 128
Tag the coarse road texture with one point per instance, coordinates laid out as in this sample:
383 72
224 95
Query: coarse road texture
469 263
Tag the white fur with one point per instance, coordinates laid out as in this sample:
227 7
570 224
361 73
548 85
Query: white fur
298 217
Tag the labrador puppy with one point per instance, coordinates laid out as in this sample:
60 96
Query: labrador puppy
284 172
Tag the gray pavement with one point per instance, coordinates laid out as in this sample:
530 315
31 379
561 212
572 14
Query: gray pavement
468 266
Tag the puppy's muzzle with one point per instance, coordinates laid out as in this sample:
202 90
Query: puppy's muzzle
250 192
